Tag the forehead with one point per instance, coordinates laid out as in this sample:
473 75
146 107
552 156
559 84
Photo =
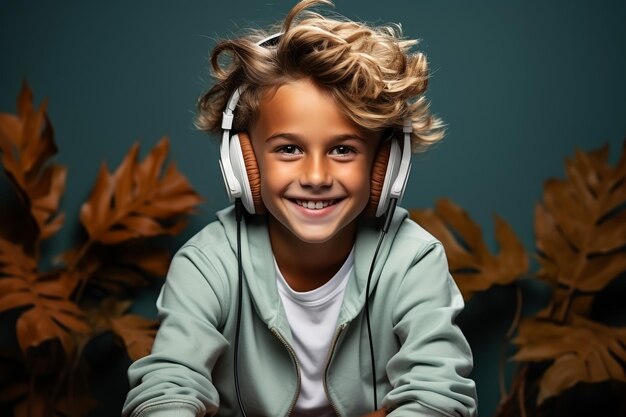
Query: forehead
301 107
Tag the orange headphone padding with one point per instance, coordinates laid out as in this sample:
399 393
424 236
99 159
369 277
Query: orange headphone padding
379 169
252 168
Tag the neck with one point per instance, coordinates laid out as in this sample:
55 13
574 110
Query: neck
307 266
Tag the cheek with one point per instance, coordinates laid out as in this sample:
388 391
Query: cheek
357 180
273 177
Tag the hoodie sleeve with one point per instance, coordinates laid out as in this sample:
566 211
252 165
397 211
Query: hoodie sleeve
429 373
175 379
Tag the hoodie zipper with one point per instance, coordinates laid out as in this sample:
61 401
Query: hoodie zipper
295 361
331 351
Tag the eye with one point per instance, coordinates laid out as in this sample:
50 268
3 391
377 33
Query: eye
342 150
289 150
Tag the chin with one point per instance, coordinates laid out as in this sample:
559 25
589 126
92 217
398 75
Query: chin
314 237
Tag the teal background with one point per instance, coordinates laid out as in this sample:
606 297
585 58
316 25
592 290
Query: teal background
520 84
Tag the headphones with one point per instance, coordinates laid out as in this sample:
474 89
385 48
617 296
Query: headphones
240 171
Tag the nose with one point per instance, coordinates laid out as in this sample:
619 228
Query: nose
316 172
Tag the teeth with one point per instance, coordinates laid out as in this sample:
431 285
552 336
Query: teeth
315 205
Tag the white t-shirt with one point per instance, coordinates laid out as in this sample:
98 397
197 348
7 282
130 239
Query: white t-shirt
312 316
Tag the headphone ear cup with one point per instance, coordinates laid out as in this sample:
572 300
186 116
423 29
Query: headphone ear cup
252 170
379 169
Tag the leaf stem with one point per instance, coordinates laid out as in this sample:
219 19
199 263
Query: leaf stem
565 307
521 395
31 393
517 391
509 334
77 359
78 295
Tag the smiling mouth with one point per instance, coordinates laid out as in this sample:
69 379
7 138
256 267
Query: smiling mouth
315 205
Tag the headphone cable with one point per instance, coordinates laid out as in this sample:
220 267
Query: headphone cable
383 232
238 216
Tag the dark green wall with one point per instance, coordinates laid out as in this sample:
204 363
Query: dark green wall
521 85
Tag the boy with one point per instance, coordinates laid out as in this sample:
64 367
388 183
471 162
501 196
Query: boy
287 298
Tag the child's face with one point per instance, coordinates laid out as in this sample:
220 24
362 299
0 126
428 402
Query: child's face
314 162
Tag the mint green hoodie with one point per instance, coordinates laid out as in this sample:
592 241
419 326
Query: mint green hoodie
422 358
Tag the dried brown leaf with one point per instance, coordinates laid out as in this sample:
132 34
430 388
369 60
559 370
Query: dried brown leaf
26 144
153 261
581 226
137 333
116 281
80 265
17 275
581 304
61 283
115 268
93 212
48 315
474 268
111 308
50 319
10 133
582 351
14 261
136 201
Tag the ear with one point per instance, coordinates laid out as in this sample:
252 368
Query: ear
252 169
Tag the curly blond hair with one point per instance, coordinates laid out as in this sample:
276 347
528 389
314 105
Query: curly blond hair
369 71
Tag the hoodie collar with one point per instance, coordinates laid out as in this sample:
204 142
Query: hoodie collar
260 277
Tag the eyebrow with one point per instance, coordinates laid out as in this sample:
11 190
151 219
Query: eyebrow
293 136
